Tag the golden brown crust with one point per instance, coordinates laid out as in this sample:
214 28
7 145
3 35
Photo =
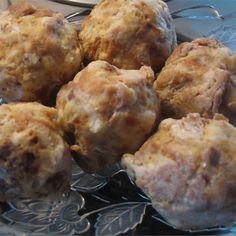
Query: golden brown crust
21 8
197 78
188 170
34 159
40 51
129 34
110 111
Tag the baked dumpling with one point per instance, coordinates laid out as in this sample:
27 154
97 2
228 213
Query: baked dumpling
129 34
34 159
187 169
40 51
109 111
200 76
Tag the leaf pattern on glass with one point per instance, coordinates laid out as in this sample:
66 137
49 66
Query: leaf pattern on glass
120 218
197 12
9 230
2 101
109 171
84 182
226 35
15 216
49 217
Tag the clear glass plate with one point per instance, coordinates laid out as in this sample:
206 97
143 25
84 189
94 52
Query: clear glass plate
216 20
79 3
106 203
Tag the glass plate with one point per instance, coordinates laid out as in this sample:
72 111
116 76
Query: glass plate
96 205
3 5
108 202
205 18
79 3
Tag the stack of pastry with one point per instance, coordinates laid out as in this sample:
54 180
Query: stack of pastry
110 108
40 51
188 166
109 111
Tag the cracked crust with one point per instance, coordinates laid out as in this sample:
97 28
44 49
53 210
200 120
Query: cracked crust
109 111
129 34
198 77
34 159
188 170
40 51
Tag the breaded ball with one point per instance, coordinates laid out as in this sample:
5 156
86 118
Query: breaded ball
39 51
109 111
129 34
200 76
187 169
34 159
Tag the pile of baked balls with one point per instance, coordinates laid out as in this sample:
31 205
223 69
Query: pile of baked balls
120 89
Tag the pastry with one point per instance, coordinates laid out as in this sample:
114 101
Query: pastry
108 111
199 77
187 168
34 159
40 51
129 34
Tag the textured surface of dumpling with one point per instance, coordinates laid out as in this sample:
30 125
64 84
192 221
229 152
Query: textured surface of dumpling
109 111
128 33
200 76
34 159
188 170
40 51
